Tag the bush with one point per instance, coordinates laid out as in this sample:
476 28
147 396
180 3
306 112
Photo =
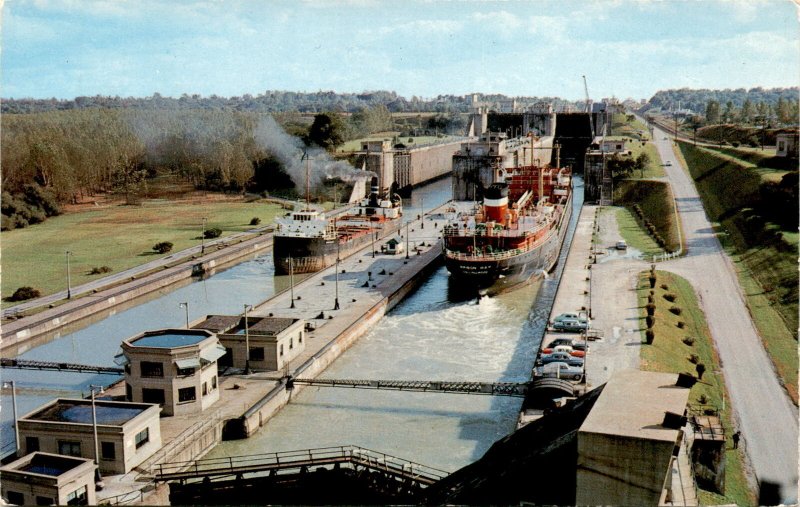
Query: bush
676 310
651 309
255 221
700 368
688 340
650 299
670 297
703 399
652 281
693 358
100 270
163 247
665 286
212 233
649 336
24 293
651 321
681 324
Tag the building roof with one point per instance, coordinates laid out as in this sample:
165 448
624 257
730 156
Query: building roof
169 338
218 323
270 325
42 463
111 413
633 405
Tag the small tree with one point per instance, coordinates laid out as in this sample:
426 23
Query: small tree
255 221
651 309
163 247
700 368
649 335
214 232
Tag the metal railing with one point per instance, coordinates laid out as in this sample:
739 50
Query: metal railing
124 498
235 465
27 364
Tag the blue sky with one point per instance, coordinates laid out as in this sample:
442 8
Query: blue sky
626 48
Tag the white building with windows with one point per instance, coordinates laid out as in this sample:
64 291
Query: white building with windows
42 478
268 342
174 368
127 433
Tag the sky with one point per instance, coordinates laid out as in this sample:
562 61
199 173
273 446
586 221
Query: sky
625 48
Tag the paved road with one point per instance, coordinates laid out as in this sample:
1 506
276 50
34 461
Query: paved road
767 418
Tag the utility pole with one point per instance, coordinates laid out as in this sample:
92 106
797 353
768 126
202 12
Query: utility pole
203 238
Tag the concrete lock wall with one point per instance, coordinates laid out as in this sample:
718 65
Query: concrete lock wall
18 331
613 470
268 406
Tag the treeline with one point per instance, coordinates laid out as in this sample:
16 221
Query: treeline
271 101
697 100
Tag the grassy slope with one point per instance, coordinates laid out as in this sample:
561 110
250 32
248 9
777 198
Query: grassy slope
668 353
634 234
767 270
119 237
657 204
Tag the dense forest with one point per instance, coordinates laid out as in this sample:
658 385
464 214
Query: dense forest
273 101
755 101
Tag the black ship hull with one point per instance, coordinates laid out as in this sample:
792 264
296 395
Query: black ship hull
309 255
491 277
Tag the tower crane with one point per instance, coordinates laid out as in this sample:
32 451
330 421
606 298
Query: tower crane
588 105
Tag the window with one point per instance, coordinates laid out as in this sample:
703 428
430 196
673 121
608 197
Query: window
128 392
44 500
107 451
153 396
152 369
300 337
142 437
31 444
291 344
214 382
69 448
185 372
15 498
281 349
78 497
205 388
187 394
256 353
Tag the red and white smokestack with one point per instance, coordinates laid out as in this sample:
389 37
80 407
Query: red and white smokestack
495 202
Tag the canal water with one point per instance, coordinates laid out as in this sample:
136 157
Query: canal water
434 334
226 292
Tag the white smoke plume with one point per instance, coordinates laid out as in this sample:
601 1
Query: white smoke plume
289 150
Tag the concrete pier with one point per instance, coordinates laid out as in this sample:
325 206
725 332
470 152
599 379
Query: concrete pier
369 286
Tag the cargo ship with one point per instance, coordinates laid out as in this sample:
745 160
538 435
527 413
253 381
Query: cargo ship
307 240
514 235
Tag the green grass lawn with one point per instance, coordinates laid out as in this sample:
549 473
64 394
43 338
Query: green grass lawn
669 353
749 158
120 237
633 233
620 126
658 206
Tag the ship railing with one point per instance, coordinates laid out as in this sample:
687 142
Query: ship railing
493 256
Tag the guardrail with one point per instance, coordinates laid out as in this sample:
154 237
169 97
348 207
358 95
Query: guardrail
298 459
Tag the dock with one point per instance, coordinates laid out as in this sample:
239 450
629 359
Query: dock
369 285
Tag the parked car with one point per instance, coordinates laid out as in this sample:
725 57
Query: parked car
564 348
621 245
559 370
669 163
562 357
572 342
573 326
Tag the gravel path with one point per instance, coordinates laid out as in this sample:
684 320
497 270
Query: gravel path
767 418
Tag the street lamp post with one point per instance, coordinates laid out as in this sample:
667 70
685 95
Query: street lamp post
186 307
291 280
422 205
12 385
406 240
203 238
336 299
247 341
69 280
373 243
96 389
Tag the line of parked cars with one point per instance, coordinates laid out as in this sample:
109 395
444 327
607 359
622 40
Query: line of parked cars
574 322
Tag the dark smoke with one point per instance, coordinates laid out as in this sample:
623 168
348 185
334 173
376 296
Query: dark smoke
289 150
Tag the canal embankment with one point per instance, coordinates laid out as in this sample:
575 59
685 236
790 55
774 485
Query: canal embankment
16 332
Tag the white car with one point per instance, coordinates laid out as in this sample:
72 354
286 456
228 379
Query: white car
559 370
621 245
669 163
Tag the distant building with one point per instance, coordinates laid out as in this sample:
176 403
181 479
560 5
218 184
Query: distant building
273 341
127 433
175 368
786 144
42 478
